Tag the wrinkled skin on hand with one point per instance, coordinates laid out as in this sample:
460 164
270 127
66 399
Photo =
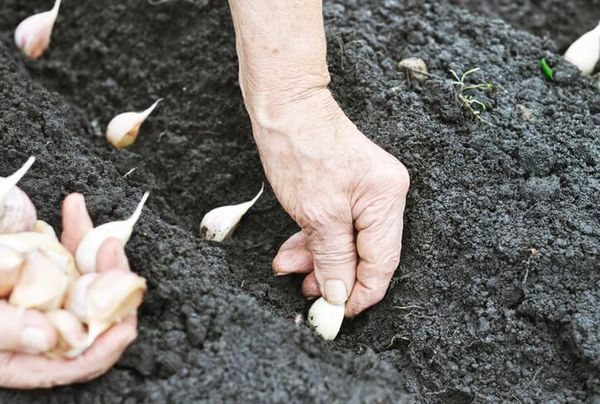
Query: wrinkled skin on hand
23 339
345 192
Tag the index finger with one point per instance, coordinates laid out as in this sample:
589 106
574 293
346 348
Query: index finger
75 220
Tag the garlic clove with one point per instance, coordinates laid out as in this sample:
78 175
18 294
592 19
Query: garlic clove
28 242
585 51
41 285
10 266
326 318
33 34
85 256
75 300
71 333
220 223
17 213
416 67
123 130
44 228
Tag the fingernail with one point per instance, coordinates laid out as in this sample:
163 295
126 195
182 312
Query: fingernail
335 291
35 339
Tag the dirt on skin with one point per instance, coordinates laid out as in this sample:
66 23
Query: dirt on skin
497 297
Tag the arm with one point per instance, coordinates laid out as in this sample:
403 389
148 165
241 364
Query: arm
345 192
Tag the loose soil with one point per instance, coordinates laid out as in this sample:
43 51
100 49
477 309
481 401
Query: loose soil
497 297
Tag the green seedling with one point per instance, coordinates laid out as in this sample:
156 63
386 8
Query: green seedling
470 101
546 69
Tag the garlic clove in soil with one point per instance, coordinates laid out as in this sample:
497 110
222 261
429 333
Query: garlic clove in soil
27 242
326 318
85 256
33 34
585 51
123 130
220 223
75 301
71 333
41 285
10 266
416 68
17 213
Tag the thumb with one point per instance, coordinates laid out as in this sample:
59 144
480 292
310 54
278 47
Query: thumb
27 331
334 254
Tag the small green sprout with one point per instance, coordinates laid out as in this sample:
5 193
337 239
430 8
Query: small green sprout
546 69
470 101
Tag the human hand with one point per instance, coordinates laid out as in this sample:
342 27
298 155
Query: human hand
346 193
23 340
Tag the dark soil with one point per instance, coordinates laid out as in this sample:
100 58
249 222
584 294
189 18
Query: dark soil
497 297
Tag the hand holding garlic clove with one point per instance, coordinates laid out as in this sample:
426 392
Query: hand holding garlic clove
38 345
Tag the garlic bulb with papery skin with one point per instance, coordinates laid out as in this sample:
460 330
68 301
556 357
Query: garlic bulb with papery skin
41 285
33 34
75 301
220 223
85 256
10 266
585 52
122 131
71 333
17 213
326 318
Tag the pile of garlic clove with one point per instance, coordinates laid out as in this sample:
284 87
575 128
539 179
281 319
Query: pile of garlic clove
38 272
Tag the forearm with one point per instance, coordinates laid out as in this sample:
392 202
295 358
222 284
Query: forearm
281 49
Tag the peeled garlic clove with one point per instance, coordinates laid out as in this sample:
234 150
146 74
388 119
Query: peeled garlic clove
17 213
33 34
122 131
326 318
75 301
71 333
220 223
85 256
42 285
585 52
28 242
44 228
10 265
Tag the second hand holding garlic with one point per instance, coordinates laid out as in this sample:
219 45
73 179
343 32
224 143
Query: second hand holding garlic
85 256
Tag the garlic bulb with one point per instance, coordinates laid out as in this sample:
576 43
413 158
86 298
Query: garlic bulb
17 213
122 131
326 318
71 333
24 243
85 256
220 223
585 52
42 285
10 265
75 301
33 34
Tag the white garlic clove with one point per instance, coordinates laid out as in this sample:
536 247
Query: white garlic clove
33 34
416 67
123 130
71 333
326 318
10 266
585 51
220 223
44 228
41 285
28 242
85 256
17 213
75 301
